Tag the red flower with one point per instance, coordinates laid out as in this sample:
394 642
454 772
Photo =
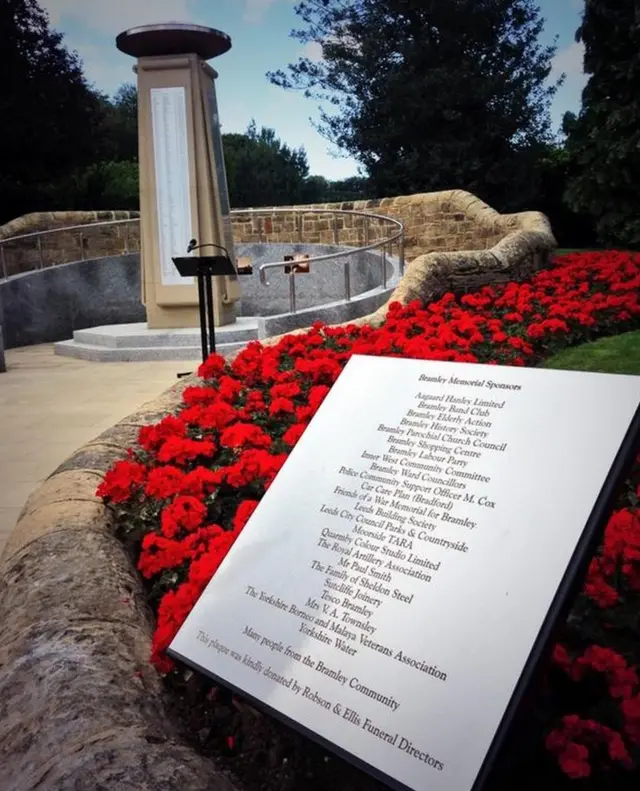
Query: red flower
229 388
317 394
151 437
293 434
245 509
574 761
180 451
200 395
243 435
285 390
122 480
281 406
561 657
210 416
185 512
164 482
213 366
201 481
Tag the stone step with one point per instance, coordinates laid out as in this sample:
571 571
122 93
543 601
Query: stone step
137 336
98 353
137 343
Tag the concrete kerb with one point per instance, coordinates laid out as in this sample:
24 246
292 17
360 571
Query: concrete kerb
75 626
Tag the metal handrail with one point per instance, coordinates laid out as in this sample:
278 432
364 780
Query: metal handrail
328 256
67 228
385 243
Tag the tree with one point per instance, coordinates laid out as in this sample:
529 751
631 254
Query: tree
431 94
571 229
318 190
261 170
48 111
350 189
120 125
604 141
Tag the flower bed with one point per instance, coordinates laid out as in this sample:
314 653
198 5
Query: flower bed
185 493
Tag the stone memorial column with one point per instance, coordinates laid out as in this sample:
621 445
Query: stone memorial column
183 185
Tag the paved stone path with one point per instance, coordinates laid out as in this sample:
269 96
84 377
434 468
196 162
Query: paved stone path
51 405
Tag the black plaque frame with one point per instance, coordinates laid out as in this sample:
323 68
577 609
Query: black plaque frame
556 614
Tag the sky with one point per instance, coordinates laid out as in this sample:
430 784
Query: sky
259 30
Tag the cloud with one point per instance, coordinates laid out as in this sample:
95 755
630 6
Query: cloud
109 18
570 60
256 10
90 28
104 66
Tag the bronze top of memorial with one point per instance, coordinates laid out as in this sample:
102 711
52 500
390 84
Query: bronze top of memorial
173 38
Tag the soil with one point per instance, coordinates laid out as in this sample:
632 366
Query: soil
259 753
256 751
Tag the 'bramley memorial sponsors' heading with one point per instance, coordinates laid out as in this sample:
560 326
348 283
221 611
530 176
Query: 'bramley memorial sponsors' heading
386 593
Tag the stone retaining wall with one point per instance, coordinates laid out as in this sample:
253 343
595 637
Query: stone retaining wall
49 305
434 222
25 255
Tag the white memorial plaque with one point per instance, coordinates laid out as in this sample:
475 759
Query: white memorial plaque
393 589
173 198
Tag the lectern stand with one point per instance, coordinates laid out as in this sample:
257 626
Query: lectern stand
204 268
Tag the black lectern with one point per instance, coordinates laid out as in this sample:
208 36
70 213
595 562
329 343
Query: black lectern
204 268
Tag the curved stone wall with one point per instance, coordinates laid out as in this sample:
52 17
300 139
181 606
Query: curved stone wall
526 248
48 305
515 256
25 255
323 284
48 220
434 222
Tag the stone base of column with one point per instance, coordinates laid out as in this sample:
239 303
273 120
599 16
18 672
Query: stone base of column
174 317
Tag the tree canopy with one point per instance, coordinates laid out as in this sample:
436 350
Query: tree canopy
261 170
119 128
431 95
604 141
47 108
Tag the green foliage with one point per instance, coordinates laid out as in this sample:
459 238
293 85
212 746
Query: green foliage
570 228
48 111
104 185
604 141
109 185
120 125
617 355
431 95
261 170
317 189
